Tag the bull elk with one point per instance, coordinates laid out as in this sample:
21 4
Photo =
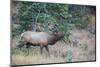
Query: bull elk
42 39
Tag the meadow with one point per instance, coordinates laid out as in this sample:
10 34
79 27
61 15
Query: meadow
77 22
82 48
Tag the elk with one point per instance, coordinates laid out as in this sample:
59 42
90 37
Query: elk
42 39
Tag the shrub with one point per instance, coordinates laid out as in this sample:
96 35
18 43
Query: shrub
68 56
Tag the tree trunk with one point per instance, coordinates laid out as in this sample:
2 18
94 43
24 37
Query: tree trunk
35 22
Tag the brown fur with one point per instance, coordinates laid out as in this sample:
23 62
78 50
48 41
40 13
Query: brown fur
41 39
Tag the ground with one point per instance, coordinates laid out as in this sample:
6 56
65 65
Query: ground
81 48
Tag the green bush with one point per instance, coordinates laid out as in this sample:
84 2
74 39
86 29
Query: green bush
68 56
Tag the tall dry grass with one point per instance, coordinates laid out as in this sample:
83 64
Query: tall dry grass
81 48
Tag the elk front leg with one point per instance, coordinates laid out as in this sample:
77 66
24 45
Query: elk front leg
41 49
47 49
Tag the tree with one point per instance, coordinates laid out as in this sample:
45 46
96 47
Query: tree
49 17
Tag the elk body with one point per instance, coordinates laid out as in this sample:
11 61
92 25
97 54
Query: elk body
42 39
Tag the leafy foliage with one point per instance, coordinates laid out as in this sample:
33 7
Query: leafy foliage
48 17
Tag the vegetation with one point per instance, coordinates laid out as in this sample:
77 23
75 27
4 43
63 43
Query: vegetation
74 20
48 17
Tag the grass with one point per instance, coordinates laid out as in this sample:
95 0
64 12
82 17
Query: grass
21 57
34 59
82 49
